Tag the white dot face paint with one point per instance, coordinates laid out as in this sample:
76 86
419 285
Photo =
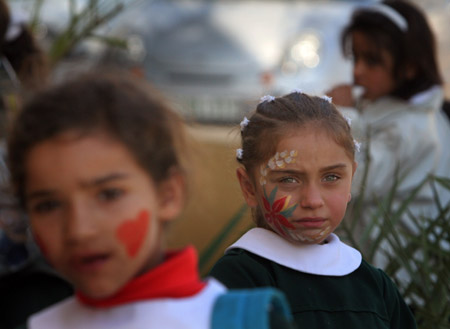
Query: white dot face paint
279 160
304 187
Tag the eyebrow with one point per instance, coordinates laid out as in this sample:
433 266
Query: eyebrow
335 166
324 169
103 179
89 183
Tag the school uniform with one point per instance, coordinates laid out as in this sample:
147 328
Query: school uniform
171 296
327 285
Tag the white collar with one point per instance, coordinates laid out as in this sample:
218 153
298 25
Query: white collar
333 258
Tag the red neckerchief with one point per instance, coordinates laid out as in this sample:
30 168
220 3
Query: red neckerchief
176 277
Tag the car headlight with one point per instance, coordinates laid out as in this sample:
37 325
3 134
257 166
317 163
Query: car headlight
304 52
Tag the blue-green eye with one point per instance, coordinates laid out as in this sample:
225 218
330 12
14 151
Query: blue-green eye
331 178
288 180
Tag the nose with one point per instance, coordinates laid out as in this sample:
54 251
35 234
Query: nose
311 197
79 224
358 69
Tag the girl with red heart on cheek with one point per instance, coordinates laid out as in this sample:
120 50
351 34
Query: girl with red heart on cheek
99 163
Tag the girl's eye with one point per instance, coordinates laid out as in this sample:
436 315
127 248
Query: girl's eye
331 178
45 206
110 194
373 60
288 180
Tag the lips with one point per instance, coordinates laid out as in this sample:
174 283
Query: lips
311 222
89 262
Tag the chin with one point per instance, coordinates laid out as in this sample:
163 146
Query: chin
97 291
303 239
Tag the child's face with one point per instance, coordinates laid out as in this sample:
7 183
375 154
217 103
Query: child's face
303 190
95 213
374 75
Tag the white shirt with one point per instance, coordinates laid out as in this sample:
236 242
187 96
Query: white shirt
192 312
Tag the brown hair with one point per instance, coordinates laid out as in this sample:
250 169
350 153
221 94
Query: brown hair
274 119
126 109
414 48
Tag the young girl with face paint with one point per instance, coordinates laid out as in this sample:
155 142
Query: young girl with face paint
395 63
99 165
298 162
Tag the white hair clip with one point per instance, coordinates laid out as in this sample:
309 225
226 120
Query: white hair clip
357 145
244 123
390 13
348 119
327 98
266 98
297 91
239 153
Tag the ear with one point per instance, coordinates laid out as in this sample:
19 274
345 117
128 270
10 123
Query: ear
247 187
171 196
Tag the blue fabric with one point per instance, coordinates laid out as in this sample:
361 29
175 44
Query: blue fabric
261 308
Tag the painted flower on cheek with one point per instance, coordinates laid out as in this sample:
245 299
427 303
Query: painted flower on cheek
277 211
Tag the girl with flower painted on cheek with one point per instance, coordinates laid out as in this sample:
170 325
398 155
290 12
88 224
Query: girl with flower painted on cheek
298 162
308 197
99 164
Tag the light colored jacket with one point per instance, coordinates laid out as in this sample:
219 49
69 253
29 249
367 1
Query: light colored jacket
412 137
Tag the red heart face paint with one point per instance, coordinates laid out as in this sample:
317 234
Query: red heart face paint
132 232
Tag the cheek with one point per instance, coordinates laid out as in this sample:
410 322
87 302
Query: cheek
132 232
338 203
40 244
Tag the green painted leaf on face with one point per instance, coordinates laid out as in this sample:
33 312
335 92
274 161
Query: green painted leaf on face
272 195
288 212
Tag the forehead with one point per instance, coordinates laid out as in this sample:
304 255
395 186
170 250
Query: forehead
363 44
313 145
69 155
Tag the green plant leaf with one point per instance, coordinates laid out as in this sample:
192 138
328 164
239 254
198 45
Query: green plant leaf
217 241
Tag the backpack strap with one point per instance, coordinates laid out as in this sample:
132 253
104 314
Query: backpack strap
261 308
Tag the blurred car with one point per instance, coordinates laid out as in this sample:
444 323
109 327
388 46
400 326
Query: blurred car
215 59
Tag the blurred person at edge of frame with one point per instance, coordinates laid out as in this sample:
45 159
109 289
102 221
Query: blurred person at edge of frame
23 65
395 66
27 284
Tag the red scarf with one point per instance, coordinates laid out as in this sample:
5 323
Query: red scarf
176 277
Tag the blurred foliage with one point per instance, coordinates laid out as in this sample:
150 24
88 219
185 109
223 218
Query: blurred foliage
418 262
416 248
83 23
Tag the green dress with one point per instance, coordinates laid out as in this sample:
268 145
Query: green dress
336 294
